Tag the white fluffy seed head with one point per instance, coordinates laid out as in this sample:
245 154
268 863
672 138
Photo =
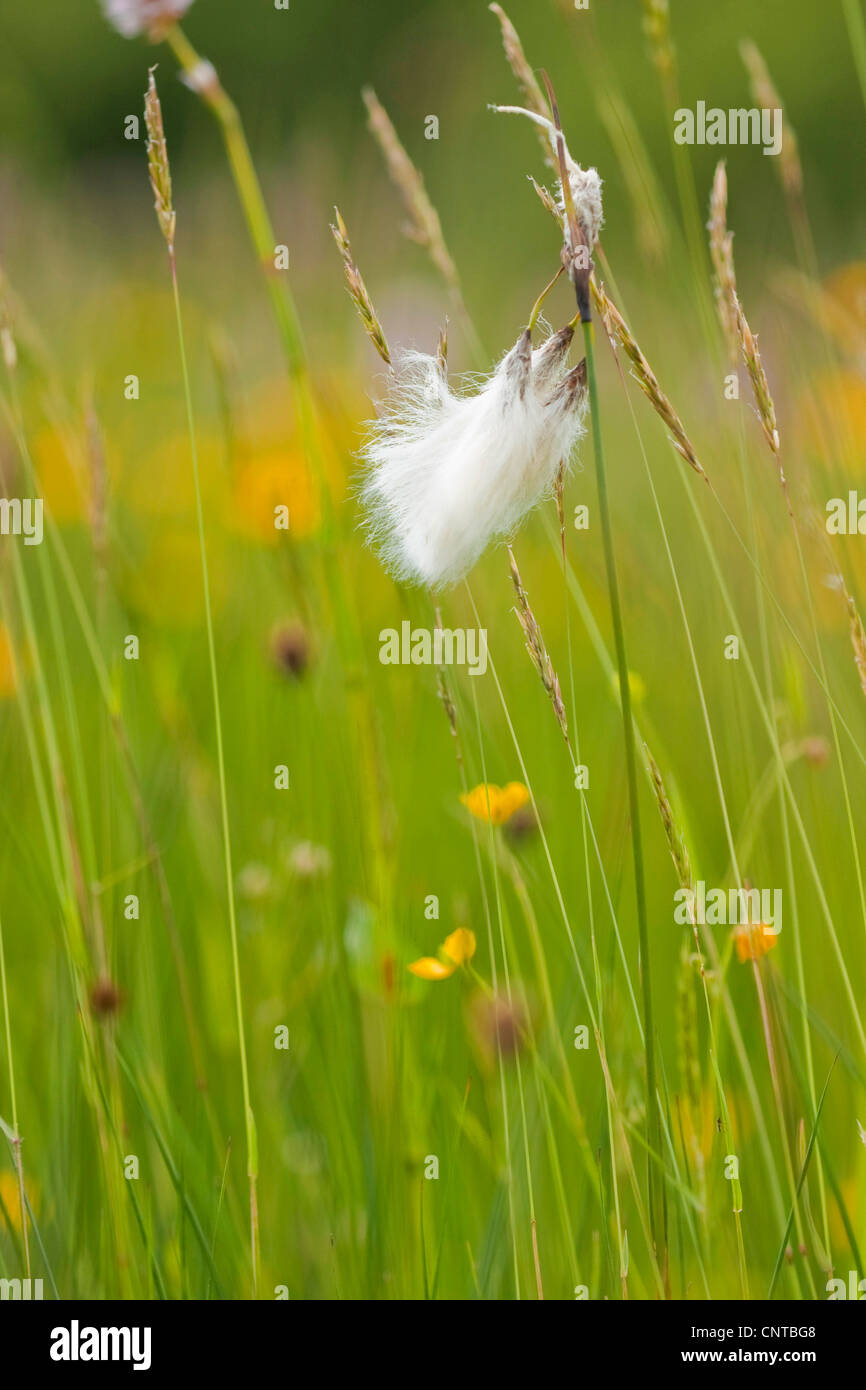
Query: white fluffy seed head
448 473
585 184
153 17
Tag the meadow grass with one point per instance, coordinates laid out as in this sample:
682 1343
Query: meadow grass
220 1078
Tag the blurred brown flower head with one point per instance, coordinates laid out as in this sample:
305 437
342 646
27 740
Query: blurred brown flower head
496 1025
290 648
106 998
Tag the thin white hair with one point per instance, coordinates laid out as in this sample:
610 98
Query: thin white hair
447 473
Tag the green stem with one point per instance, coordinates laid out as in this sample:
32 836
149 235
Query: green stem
254 209
653 1132
857 35
249 1119
16 1143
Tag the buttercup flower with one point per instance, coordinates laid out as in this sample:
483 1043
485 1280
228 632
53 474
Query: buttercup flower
494 804
151 17
10 1198
457 949
447 473
753 941
8 683
265 484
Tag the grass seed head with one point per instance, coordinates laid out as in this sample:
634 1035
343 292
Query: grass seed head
766 97
620 335
358 292
722 256
536 648
157 162
673 834
657 27
423 225
527 81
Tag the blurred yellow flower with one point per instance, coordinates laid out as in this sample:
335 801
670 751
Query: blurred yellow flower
846 288
832 416
429 968
269 482
11 1199
494 804
754 940
457 949
8 684
63 482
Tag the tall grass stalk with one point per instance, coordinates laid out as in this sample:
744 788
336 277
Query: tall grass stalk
13 1102
653 1128
160 178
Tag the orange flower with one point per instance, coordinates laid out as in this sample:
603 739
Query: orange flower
494 804
271 481
754 940
457 949
835 409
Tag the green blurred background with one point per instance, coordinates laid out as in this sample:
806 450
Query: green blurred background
66 83
378 1071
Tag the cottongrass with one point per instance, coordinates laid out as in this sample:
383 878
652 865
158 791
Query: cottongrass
583 185
448 473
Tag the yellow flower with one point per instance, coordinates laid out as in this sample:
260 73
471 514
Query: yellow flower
834 410
754 940
272 480
11 1199
457 949
7 666
495 804
63 483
